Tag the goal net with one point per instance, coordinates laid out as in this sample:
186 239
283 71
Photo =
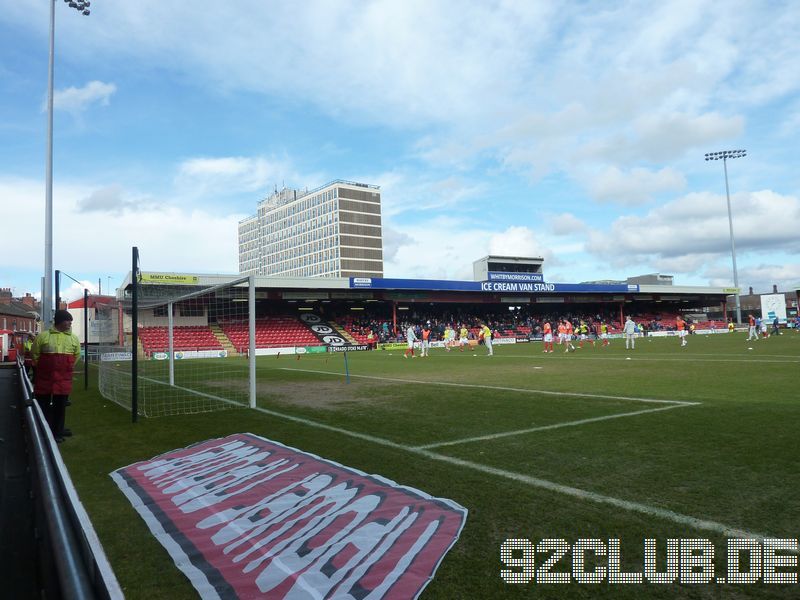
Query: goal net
190 353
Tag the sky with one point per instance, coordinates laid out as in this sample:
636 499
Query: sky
574 131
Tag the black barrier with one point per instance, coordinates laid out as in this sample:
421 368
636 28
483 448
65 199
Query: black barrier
72 546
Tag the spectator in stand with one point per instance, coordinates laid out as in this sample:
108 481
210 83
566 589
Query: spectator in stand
54 354
371 344
630 334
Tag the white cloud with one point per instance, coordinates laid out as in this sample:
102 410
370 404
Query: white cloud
76 100
665 137
73 291
762 276
698 223
445 248
637 186
565 224
516 241
168 237
411 196
604 96
691 234
115 200
393 240
440 248
540 86
232 174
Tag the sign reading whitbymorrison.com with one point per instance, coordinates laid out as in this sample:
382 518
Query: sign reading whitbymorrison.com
245 517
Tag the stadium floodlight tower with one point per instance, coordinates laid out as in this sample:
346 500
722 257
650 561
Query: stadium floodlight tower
82 7
724 156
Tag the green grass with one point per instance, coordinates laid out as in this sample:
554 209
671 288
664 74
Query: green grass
732 459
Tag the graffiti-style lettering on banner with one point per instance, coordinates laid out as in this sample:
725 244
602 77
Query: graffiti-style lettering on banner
246 517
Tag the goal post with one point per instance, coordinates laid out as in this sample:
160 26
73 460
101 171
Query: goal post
189 352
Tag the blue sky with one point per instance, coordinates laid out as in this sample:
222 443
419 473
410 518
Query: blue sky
573 131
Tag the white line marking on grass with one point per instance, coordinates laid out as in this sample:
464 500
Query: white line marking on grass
681 519
494 387
702 524
690 359
650 358
494 436
355 434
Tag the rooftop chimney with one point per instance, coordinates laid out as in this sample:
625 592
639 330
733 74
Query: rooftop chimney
751 290
774 289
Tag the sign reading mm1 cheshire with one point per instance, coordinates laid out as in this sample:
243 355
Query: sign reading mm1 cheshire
174 278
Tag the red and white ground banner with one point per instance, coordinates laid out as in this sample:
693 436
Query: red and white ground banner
245 517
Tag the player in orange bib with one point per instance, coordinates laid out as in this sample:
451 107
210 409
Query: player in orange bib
426 341
680 324
547 330
568 335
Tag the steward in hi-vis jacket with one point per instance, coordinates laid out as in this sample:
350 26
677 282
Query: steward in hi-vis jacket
55 353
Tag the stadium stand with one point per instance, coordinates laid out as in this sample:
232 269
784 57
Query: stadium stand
356 329
283 330
271 332
186 337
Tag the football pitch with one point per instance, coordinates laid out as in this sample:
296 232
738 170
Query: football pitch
661 443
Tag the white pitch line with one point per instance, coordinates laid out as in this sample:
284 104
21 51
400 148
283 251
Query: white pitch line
494 436
681 519
653 511
742 355
355 434
690 358
496 387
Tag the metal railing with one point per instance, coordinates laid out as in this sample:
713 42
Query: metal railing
71 544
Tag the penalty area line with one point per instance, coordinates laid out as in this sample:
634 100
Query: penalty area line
497 387
681 519
494 436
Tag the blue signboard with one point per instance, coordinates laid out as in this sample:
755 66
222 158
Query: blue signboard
519 287
519 277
